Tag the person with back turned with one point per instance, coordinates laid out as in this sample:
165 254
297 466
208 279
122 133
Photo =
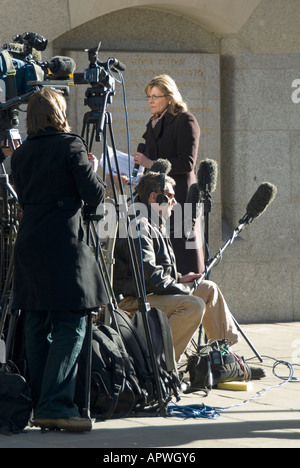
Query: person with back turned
56 277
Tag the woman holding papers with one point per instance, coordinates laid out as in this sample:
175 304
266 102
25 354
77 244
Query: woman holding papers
173 133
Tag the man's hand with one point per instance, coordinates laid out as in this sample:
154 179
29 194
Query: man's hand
94 161
190 277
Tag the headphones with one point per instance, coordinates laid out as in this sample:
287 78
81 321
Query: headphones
161 197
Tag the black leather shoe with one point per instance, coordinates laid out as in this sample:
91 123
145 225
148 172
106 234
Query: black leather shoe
69 424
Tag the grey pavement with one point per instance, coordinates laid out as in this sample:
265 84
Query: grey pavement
271 420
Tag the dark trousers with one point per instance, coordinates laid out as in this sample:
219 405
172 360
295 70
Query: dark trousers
53 341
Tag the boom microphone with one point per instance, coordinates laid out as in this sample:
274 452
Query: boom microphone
163 166
61 66
262 198
207 175
140 149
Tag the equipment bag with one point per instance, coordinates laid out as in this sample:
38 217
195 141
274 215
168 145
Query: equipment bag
134 338
140 394
122 379
212 364
114 389
137 349
15 403
163 346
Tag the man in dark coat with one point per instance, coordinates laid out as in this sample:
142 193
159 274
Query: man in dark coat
56 277
165 287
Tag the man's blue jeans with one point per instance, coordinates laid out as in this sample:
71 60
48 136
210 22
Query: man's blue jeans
53 341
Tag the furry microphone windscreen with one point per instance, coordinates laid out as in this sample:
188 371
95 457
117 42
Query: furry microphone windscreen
262 198
208 175
163 166
194 198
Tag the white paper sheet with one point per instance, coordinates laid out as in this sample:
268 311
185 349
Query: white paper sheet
123 162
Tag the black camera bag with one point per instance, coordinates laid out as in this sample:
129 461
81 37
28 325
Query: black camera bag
15 403
210 366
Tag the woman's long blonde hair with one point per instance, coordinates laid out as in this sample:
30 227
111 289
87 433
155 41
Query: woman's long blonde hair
47 108
169 88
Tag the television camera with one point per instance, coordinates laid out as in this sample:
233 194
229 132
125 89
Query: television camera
23 73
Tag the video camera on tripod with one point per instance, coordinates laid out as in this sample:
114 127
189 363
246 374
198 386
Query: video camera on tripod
100 76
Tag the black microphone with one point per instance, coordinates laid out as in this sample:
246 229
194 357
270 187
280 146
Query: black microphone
61 66
208 175
113 62
262 198
140 149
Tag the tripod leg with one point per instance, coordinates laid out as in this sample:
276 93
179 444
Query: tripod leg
247 340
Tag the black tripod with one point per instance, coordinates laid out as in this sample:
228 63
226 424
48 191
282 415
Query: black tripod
97 124
9 221
9 216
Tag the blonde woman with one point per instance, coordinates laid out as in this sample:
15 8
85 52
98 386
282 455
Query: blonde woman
56 277
173 133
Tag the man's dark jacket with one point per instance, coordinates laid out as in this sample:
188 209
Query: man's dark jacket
54 268
157 263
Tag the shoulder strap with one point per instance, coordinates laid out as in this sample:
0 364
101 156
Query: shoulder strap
11 84
38 72
118 377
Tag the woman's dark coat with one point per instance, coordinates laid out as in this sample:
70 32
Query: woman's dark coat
54 268
176 138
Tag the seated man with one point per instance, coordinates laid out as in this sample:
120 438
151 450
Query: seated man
165 288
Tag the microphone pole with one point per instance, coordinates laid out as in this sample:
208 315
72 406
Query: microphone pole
207 182
207 210
218 257
261 199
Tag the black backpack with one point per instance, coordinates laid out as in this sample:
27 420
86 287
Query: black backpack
134 338
162 340
122 378
115 391
15 403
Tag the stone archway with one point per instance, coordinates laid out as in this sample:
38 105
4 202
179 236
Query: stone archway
218 16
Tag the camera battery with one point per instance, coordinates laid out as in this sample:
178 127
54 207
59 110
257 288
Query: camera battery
216 358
